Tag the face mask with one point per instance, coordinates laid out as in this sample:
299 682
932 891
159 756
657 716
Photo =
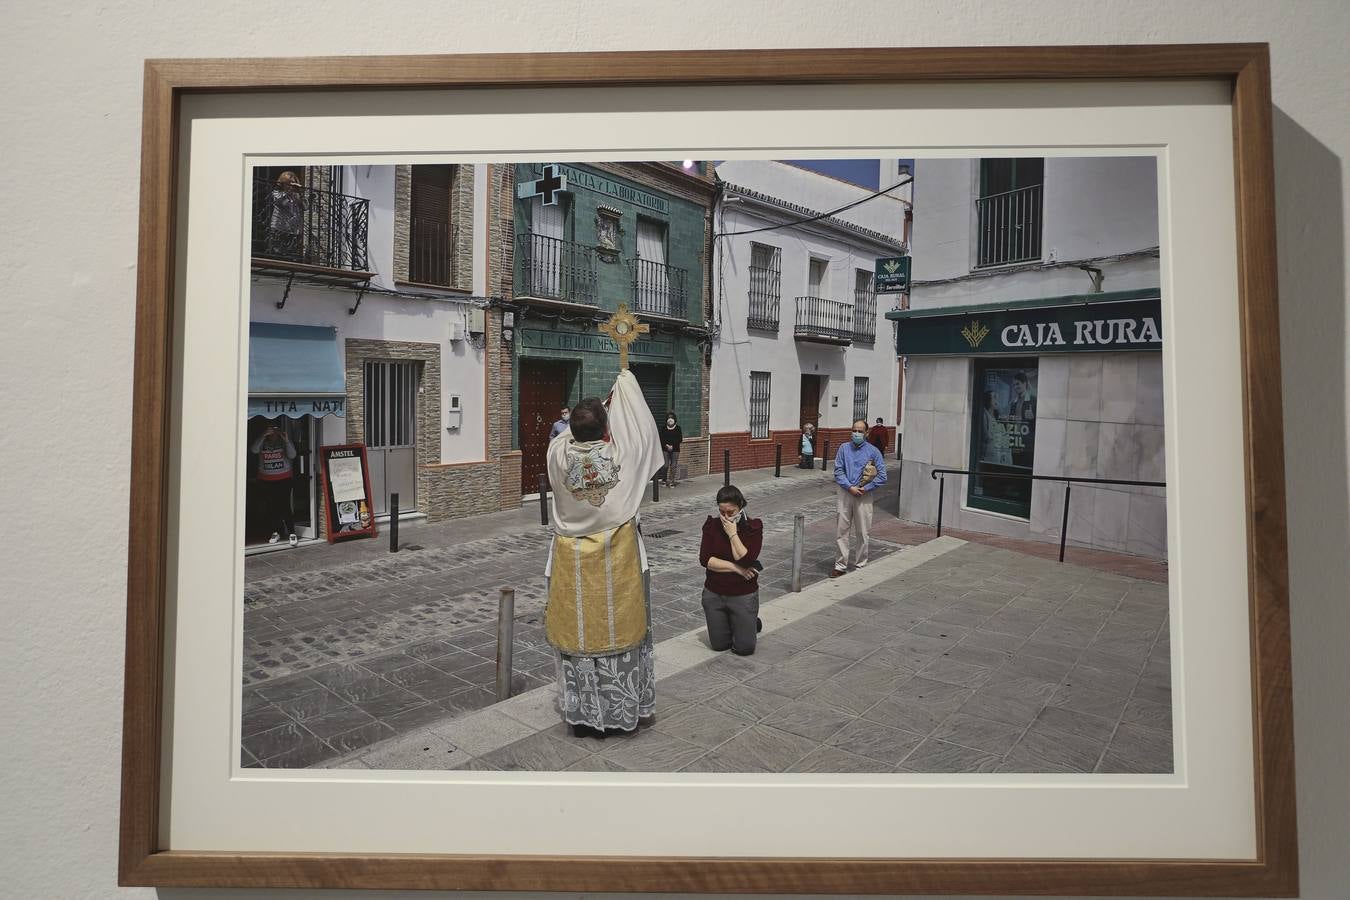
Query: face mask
670 423
858 438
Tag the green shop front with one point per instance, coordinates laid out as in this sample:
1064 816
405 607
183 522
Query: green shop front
587 240
1056 386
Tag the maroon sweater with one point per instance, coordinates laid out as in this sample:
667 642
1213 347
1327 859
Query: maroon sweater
717 544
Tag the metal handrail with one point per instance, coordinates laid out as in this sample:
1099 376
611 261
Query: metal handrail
939 475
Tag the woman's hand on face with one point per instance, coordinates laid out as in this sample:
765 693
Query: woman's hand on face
728 525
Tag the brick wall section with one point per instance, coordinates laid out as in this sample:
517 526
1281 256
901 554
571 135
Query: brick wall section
501 276
357 352
402 215
758 454
461 223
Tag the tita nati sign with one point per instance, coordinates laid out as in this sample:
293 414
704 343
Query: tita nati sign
1131 324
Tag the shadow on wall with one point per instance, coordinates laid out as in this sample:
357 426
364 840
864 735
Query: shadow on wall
1311 235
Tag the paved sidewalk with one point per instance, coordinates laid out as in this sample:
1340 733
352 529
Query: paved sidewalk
949 657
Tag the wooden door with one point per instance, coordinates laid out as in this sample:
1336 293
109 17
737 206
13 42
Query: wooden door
810 406
543 392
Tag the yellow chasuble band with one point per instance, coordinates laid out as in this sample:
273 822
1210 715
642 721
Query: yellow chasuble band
596 605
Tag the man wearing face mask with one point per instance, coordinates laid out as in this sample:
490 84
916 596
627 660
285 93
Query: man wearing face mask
859 470
671 438
561 425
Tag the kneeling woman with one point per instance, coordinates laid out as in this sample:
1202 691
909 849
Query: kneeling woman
730 552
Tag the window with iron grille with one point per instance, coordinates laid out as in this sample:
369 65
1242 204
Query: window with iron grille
430 238
765 278
759 405
860 386
864 306
1008 227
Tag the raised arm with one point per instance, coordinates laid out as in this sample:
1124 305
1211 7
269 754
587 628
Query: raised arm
633 428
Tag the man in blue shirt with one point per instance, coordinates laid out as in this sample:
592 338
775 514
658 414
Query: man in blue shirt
859 470
561 425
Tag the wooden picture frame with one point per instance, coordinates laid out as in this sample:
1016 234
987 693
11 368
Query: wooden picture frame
1245 66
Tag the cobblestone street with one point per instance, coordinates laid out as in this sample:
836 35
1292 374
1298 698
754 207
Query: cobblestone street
347 645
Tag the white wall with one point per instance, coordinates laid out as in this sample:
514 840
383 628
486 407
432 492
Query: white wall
66 343
741 350
1118 196
1092 207
385 318
376 184
804 187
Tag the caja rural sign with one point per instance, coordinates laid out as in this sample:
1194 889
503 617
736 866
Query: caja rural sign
1134 324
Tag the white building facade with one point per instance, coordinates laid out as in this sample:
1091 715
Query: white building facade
1032 346
369 324
801 334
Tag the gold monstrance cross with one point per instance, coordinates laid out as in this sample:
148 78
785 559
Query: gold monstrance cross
623 328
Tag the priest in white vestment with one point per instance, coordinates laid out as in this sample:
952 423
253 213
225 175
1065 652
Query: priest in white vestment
598 617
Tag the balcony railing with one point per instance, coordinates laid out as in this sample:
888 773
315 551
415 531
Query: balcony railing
825 321
764 291
554 269
864 316
431 253
1009 227
659 289
310 227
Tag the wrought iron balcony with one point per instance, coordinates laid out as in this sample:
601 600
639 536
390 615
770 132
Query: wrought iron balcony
553 269
824 321
864 316
764 292
1008 228
659 289
303 226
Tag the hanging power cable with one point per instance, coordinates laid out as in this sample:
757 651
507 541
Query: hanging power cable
818 216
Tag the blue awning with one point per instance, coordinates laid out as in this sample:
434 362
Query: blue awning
294 371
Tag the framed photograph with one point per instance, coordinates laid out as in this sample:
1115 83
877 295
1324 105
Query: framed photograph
879 450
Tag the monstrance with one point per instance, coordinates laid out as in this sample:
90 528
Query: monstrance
623 328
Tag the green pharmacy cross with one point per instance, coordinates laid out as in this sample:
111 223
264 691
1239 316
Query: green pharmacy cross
623 328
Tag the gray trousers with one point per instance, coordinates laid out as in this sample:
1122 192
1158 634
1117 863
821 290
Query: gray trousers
731 621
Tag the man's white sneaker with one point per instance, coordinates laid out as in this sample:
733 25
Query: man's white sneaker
274 538
293 540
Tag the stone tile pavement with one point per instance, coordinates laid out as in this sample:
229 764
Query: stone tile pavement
349 645
950 657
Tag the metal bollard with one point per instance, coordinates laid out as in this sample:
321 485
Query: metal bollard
393 523
1064 524
726 467
824 456
798 547
777 460
543 498
656 488
942 483
506 612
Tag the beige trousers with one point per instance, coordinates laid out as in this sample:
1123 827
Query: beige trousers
855 520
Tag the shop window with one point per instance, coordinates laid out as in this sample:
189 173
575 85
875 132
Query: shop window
1003 436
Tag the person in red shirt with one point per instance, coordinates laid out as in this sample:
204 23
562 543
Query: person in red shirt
877 436
730 552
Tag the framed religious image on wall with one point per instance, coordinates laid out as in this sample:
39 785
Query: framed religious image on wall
550 327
